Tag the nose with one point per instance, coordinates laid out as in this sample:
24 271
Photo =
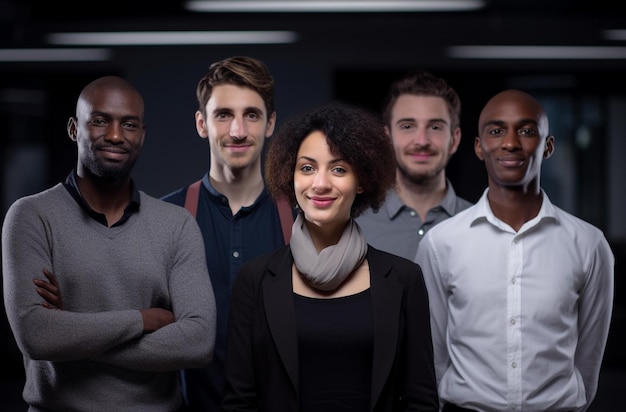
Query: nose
511 140
238 129
320 182
115 132
421 137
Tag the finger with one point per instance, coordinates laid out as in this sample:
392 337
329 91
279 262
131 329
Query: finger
51 278
46 285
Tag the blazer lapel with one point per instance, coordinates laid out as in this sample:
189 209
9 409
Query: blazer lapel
387 304
281 318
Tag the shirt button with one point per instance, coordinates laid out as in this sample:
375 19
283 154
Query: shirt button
513 322
420 232
514 365
412 213
235 254
224 199
513 280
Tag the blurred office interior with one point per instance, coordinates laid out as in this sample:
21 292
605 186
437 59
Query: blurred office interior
571 55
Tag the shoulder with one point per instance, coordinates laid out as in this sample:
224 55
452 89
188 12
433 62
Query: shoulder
462 219
176 197
44 200
157 208
271 264
576 227
389 265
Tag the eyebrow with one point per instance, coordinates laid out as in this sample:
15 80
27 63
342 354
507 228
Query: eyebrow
310 159
97 113
247 109
497 122
412 119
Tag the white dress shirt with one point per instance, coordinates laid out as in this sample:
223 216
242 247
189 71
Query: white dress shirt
520 319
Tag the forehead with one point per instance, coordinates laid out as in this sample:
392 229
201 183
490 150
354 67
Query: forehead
234 97
115 101
414 106
512 107
314 142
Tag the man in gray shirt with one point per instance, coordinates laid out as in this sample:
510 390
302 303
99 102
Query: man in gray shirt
422 116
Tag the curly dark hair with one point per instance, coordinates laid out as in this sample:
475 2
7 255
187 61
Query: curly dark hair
353 133
240 71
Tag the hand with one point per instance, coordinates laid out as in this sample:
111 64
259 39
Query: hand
155 318
49 290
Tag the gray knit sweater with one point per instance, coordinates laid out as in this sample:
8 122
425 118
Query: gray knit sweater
93 356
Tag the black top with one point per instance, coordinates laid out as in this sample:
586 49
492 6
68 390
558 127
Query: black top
335 344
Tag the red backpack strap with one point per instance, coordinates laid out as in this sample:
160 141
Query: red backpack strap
191 199
286 218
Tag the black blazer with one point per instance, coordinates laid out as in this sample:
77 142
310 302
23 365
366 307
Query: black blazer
262 343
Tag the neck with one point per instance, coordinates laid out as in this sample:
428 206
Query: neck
107 197
325 235
421 196
514 206
241 186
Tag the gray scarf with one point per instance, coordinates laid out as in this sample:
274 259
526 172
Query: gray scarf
332 266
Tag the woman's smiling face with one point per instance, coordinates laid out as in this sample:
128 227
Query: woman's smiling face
325 184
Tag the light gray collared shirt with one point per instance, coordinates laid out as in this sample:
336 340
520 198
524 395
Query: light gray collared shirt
398 229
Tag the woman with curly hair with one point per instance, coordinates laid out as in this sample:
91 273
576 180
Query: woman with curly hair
329 323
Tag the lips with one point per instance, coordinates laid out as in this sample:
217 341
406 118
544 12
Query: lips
322 201
113 152
421 156
238 147
511 161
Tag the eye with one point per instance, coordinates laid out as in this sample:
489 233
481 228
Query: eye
339 170
98 122
528 132
222 115
253 116
497 131
406 126
307 169
130 125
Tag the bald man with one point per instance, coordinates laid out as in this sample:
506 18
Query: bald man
520 291
105 286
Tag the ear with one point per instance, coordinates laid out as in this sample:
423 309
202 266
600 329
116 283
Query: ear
549 147
456 140
201 126
271 124
71 128
477 149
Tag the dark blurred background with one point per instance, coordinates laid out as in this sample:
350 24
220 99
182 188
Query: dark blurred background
570 54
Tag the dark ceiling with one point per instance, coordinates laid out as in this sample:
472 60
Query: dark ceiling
24 23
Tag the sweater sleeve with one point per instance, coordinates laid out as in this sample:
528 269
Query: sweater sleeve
41 333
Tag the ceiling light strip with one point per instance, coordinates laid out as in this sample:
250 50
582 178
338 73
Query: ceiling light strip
302 6
615 34
54 55
159 38
537 52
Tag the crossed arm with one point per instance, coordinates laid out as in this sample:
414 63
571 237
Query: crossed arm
153 318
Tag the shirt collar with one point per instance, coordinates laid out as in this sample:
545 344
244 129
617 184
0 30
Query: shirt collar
393 203
483 212
71 185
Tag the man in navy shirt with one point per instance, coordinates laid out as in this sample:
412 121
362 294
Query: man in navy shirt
236 215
